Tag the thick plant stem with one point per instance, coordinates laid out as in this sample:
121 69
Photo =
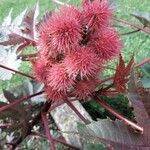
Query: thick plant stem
118 115
132 24
18 72
76 111
18 101
47 131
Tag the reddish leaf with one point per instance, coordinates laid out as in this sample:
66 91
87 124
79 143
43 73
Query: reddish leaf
18 34
141 104
13 40
121 75
30 21
129 66
114 133
44 19
135 98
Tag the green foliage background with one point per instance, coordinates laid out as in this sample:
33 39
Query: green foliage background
135 43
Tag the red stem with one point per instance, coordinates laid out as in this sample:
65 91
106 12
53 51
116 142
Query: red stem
76 111
55 105
108 87
19 101
7 124
18 72
105 80
132 24
45 122
118 115
23 46
147 60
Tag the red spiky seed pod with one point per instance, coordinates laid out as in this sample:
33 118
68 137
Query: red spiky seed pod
85 88
101 12
61 32
58 78
107 44
83 62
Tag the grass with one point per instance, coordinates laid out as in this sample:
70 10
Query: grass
135 43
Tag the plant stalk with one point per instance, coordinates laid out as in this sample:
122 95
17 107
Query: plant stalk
132 24
18 101
18 72
47 131
118 115
76 111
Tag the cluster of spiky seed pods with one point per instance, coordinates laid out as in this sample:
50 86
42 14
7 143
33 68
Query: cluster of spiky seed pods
73 46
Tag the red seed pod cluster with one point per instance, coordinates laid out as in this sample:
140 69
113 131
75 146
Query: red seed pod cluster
73 45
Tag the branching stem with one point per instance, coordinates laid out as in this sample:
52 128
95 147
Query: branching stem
132 24
18 101
47 131
7 124
147 60
76 111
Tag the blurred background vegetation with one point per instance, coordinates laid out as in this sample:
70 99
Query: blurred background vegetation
137 43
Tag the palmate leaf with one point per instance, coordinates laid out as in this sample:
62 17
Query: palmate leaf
146 82
30 22
146 75
28 87
9 27
122 74
20 114
116 133
16 114
22 29
113 133
143 17
7 19
137 100
8 58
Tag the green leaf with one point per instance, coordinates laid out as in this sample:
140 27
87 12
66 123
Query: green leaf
143 17
146 70
146 82
18 20
7 20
